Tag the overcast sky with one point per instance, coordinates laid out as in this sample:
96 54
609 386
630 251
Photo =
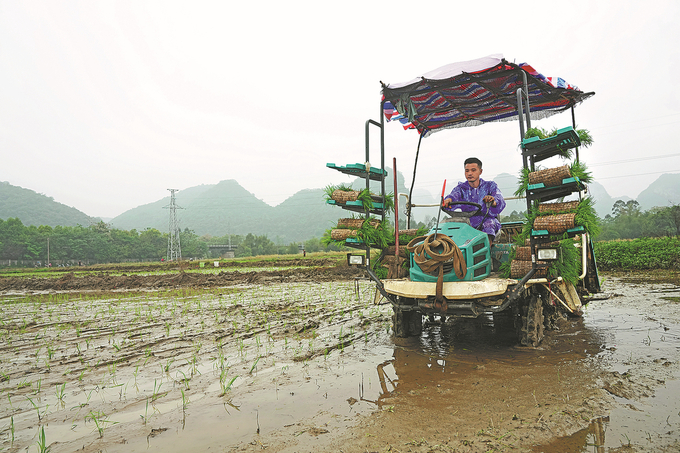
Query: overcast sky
106 105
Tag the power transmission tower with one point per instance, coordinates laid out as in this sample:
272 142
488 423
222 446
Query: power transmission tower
174 248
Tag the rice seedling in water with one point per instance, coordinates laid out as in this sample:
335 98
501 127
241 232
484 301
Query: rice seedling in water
60 391
156 391
145 417
100 421
224 385
42 443
254 365
112 372
37 409
185 401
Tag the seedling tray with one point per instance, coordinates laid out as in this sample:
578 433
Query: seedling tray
542 236
541 193
358 206
359 170
355 243
566 138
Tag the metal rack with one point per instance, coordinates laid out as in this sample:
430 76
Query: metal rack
534 150
369 173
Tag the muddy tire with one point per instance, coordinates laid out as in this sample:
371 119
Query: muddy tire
531 331
406 323
552 316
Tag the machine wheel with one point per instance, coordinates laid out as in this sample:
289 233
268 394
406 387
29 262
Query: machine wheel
531 331
406 323
552 315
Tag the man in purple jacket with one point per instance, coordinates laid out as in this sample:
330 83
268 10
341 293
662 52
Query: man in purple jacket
478 191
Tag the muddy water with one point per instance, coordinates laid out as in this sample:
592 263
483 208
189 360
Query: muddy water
314 367
638 333
628 345
185 370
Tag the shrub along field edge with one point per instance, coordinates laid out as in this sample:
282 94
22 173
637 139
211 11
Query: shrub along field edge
641 253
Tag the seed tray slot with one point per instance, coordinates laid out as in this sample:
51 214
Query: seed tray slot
359 170
541 193
545 236
541 149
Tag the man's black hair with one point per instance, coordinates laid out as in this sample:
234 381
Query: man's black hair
473 160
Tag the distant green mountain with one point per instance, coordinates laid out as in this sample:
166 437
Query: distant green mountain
37 209
603 201
508 184
215 209
665 191
228 208
303 216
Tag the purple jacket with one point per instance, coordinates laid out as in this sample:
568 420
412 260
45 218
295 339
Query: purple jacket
463 192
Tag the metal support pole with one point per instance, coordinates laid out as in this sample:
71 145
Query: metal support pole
368 173
573 124
382 158
413 183
396 212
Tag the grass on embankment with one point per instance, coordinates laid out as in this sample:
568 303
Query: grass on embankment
641 253
312 259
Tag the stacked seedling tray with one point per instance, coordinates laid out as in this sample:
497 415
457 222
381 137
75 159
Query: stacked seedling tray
347 229
549 221
538 149
552 183
352 200
349 200
360 171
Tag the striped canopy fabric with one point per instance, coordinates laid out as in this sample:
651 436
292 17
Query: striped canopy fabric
475 92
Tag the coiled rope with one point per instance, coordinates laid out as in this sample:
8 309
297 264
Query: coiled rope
430 253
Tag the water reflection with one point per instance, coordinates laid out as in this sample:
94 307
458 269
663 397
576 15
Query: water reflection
588 439
634 332
483 334
449 352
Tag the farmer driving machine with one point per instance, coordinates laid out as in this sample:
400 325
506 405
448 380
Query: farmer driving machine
535 271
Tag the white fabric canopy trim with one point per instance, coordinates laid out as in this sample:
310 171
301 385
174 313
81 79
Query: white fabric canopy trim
454 69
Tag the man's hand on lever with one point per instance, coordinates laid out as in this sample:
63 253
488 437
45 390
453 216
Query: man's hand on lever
488 199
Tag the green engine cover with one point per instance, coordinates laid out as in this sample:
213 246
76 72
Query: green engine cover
474 245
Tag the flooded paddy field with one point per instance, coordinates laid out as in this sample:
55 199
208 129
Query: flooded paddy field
302 360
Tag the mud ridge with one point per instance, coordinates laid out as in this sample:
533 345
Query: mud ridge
106 282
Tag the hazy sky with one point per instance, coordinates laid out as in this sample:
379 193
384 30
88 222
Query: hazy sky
105 105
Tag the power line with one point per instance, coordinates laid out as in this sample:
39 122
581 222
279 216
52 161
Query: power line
637 121
637 159
174 248
638 174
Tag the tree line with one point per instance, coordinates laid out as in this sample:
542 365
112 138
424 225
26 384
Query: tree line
628 221
100 243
